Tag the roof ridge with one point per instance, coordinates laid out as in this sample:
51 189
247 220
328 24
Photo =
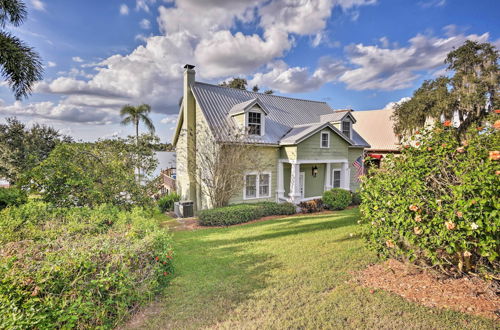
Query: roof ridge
285 97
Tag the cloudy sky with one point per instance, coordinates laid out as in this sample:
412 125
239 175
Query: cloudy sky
360 54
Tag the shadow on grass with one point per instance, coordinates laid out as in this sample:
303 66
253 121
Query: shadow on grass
294 226
214 275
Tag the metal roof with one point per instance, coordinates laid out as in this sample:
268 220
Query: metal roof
285 113
376 126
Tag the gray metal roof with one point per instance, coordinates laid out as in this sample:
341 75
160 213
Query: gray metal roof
284 115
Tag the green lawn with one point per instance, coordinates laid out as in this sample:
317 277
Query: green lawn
286 273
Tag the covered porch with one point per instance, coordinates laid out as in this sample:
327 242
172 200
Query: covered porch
302 180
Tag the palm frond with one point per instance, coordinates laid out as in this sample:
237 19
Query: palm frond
127 120
20 64
12 11
144 108
128 110
148 122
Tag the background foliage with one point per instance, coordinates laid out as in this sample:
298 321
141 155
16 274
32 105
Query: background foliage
11 197
78 267
89 174
437 203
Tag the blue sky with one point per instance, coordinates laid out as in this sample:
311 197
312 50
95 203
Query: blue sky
359 54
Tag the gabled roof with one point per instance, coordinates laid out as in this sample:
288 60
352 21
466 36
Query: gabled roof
376 126
301 132
244 106
283 113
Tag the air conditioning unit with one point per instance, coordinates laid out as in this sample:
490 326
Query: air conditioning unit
184 209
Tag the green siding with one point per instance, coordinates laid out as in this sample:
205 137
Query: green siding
314 186
288 152
310 148
270 155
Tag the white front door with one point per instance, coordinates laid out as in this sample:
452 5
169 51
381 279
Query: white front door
302 184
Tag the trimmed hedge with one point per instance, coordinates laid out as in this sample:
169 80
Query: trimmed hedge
240 213
78 267
11 197
337 198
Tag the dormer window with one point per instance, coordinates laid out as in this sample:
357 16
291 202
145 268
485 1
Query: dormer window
255 123
325 140
346 128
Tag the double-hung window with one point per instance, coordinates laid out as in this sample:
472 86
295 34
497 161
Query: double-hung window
254 123
346 128
336 179
257 185
251 186
325 140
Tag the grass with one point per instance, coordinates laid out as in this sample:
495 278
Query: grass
286 273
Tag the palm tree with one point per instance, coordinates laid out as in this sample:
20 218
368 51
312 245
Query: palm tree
134 115
20 65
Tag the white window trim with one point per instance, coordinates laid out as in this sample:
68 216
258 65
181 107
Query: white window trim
257 188
333 178
321 140
350 127
262 121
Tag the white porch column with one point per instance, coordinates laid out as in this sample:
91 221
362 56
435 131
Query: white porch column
281 187
295 183
345 177
328 177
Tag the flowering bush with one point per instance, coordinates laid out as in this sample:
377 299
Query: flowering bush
438 202
315 205
337 198
78 267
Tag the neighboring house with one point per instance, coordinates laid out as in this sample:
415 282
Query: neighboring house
308 146
166 170
376 127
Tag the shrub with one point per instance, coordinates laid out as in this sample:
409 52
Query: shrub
11 197
78 267
437 203
356 198
337 198
166 203
315 205
240 213
89 174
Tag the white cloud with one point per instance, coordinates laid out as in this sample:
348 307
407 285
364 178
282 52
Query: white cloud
124 9
390 69
169 120
152 73
145 24
432 3
63 112
391 105
297 79
38 5
51 64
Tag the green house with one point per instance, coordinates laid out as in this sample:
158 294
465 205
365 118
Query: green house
308 146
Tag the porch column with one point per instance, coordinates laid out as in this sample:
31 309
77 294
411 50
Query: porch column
346 177
281 187
328 178
295 183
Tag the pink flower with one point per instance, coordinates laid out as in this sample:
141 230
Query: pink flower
413 208
390 244
461 149
447 123
418 218
450 225
417 230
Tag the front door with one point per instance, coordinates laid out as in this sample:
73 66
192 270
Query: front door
302 184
